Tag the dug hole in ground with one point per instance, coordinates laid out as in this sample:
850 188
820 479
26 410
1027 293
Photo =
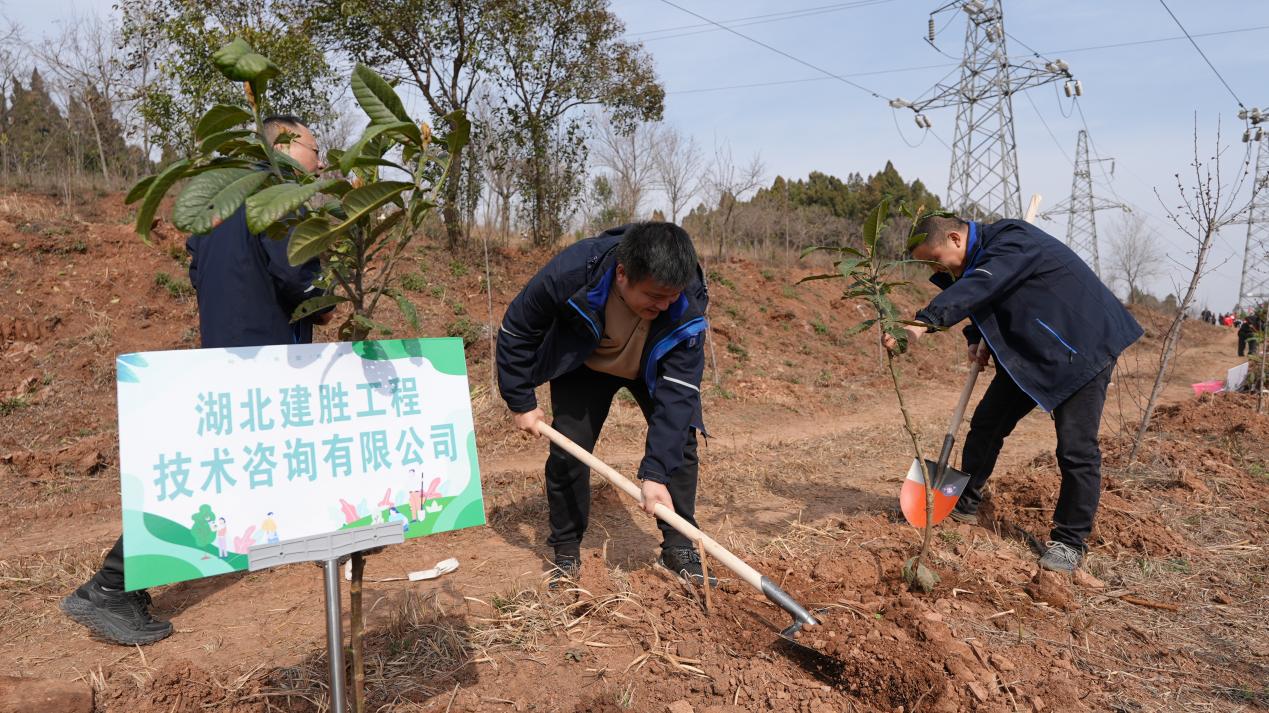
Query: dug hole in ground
801 479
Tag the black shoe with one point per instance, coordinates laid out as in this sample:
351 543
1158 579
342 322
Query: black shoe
963 516
117 616
567 567
686 563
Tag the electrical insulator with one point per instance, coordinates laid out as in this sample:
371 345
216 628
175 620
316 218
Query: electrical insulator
1260 133
1079 88
1247 136
897 103
1256 116
1061 65
917 119
931 30
926 120
1066 87
1242 115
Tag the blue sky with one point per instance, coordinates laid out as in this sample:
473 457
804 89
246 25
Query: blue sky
1141 102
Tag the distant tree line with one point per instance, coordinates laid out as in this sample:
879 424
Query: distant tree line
567 134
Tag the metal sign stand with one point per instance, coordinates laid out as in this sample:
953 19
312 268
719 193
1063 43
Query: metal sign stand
327 550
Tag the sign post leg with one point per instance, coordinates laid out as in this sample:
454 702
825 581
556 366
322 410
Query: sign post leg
335 636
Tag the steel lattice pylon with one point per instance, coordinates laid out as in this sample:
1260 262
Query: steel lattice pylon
1253 288
983 180
1081 207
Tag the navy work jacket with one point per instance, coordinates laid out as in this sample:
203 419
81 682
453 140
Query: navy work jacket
247 289
1047 318
555 324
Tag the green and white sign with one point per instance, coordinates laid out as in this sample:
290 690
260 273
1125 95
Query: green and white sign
223 449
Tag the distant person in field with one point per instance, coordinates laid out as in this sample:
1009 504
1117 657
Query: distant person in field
1054 330
247 291
1249 334
624 309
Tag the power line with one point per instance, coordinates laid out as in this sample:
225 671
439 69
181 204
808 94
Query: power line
780 52
1040 116
896 70
804 80
689 30
1201 54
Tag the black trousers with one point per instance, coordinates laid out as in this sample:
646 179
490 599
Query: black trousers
580 401
1079 456
110 575
1247 344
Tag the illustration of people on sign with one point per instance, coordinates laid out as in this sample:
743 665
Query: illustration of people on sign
270 529
222 538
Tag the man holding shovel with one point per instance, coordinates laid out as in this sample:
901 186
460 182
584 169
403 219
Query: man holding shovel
624 309
1054 329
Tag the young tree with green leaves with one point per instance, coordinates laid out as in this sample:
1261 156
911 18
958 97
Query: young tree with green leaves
360 225
869 277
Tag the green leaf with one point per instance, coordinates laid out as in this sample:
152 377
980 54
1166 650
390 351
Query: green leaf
138 190
861 327
377 98
348 160
847 267
459 130
210 198
359 202
154 195
370 324
220 118
875 224
386 224
826 276
217 141
269 205
240 63
310 239
313 305
407 308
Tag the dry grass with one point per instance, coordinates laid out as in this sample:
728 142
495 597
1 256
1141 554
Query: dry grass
31 586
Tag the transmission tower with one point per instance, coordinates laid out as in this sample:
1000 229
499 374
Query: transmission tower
983 180
1253 288
1081 206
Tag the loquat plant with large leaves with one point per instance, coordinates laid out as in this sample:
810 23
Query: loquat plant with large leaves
358 222
869 276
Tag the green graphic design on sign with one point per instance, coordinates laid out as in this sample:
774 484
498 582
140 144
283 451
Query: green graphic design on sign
221 450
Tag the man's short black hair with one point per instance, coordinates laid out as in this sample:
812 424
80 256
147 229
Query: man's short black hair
936 228
660 251
276 124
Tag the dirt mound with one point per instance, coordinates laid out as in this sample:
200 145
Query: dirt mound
180 686
1214 415
1021 504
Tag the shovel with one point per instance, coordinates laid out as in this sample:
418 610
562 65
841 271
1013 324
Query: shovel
949 483
801 617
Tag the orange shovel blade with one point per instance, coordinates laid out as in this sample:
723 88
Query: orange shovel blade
912 495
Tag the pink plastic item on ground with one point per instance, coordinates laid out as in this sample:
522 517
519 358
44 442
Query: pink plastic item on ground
1208 387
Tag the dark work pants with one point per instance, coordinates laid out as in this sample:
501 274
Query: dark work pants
110 575
1077 420
580 401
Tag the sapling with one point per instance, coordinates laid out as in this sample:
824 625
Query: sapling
868 274
358 222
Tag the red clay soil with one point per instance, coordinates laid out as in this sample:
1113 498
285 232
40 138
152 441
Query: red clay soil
995 635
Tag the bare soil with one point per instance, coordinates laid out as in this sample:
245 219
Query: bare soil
800 479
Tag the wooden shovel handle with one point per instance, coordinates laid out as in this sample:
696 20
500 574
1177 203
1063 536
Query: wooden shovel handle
720 553
959 413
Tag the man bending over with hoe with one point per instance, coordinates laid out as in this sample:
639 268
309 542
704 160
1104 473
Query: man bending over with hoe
1054 329
624 309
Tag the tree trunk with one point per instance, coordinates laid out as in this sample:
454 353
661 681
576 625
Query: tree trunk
1170 341
452 196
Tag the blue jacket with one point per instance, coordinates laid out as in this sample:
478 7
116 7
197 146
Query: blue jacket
555 323
247 289
1047 318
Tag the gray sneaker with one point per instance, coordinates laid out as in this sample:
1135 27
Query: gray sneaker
965 518
1060 557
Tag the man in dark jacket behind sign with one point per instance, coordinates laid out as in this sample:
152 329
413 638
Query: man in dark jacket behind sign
247 291
624 309
1054 330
